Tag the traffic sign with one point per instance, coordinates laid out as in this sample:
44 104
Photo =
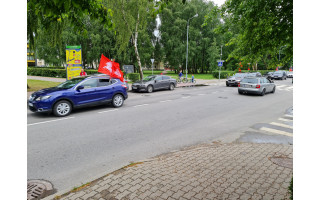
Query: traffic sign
152 60
220 64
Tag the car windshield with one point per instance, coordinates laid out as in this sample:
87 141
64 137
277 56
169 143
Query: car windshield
70 83
149 78
249 80
277 73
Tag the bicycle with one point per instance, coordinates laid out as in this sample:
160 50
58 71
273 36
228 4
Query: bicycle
182 79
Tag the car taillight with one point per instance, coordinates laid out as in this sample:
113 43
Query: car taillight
258 86
239 84
124 86
126 81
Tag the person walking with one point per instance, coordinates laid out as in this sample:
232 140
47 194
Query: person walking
83 73
192 78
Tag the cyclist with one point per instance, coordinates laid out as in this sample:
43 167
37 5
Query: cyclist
180 75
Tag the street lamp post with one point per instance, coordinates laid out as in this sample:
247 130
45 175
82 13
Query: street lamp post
220 60
196 15
279 52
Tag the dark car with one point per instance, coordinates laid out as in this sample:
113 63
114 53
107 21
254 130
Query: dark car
281 75
154 82
268 75
235 79
78 92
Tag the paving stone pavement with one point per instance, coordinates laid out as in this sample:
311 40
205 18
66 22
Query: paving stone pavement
208 171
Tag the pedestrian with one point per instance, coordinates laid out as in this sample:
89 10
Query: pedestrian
180 75
192 78
83 73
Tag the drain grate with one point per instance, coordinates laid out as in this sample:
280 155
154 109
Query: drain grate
283 162
38 189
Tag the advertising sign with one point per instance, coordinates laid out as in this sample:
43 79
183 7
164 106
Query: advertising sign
74 61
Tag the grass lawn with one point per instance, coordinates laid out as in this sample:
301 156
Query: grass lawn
38 85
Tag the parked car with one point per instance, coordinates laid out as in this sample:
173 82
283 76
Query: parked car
235 79
282 75
154 82
268 75
78 92
256 85
290 74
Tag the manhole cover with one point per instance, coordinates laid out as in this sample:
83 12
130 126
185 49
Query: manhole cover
38 189
283 162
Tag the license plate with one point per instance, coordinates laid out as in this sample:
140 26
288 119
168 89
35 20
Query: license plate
134 87
30 104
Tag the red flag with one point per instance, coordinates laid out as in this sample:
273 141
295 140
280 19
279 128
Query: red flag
105 65
239 70
248 68
116 72
277 69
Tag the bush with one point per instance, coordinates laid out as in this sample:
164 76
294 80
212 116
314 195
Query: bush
223 74
50 72
291 189
134 77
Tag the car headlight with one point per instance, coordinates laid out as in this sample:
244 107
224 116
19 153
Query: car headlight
43 98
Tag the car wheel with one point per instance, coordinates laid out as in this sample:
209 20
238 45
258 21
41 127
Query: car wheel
62 108
227 84
171 87
240 92
274 89
117 100
263 92
150 88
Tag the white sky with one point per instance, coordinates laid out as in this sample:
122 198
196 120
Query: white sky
219 2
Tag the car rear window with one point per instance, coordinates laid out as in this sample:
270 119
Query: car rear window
249 80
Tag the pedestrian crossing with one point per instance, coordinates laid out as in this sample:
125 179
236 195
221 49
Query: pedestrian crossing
284 87
279 131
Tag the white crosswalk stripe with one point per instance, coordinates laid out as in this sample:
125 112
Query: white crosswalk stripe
276 131
282 125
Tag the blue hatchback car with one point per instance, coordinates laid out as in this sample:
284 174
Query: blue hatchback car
79 92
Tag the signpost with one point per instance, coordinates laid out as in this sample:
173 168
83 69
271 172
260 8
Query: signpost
220 64
74 61
152 60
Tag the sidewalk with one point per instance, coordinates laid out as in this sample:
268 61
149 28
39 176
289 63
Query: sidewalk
207 171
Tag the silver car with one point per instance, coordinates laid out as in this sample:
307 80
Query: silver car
154 82
256 85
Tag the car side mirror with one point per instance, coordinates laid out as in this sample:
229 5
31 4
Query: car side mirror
80 87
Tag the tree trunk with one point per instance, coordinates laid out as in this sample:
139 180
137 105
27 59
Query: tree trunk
135 43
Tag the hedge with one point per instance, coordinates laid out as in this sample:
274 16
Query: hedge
223 74
134 77
49 72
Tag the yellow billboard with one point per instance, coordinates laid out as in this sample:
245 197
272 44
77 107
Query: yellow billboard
74 61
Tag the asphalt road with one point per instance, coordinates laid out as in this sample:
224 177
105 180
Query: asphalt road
92 142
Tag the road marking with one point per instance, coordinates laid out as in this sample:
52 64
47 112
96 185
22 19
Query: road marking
165 101
276 131
185 97
285 120
140 105
108 111
289 116
282 125
49 121
201 94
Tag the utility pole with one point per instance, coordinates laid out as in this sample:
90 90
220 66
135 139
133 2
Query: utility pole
196 15
220 59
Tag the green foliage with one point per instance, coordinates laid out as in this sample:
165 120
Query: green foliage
223 74
134 77
52 72
291 189
259 29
